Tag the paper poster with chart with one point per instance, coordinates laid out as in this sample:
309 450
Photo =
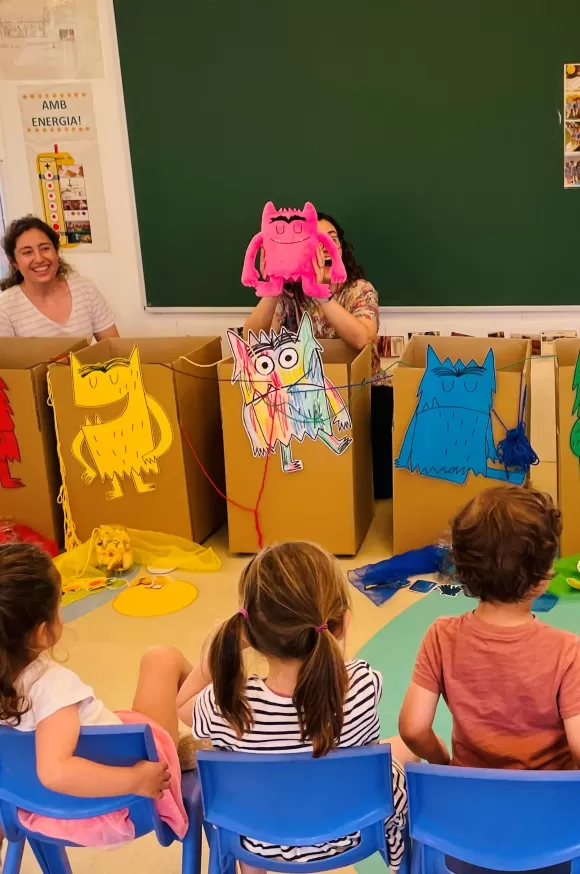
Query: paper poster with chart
50 39
64 163
121 445
451 431
572 126
286 395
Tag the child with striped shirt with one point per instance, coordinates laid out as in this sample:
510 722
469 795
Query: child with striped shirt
295 612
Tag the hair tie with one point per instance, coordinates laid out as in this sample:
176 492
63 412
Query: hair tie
244 613
323 627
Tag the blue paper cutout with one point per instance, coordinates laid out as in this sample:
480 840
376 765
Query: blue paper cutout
544 603
448 589
450 432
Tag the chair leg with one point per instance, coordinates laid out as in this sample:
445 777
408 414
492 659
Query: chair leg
191 846
13 859
51 857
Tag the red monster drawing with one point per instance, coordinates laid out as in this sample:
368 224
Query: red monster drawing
9 450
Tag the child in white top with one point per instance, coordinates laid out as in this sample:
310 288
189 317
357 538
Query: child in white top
38 694
294 611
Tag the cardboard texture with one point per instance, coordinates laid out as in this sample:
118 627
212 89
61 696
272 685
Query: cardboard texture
422 505
180 499
330 501
568 465
23 368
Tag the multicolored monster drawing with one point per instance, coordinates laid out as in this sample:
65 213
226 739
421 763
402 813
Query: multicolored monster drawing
290 238
450 433
286 394
9 449
123 446
575 432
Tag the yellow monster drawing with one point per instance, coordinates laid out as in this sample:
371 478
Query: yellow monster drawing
123 446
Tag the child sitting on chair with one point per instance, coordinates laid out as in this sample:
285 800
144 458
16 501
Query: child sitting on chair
37 693
294 610
511 682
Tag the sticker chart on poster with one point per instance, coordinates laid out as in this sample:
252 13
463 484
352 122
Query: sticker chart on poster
64 164
572 126
286 395
123 446
50 39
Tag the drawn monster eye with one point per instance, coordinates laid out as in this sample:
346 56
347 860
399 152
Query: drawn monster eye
470 385
280 228
447 385
114 377
288 358
297 227
264 364
93 381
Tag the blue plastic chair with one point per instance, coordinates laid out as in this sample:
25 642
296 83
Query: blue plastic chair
122 745
500 820
295 800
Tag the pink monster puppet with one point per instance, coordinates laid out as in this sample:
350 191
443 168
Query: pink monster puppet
290 238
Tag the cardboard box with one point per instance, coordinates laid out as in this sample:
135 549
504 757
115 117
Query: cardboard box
423 506
568 464
329 501
27 430
103 439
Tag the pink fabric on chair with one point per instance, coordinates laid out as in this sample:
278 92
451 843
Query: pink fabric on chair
116 828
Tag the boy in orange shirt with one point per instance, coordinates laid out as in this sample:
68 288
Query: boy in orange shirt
511 682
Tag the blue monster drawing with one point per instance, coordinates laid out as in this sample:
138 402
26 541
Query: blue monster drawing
450 433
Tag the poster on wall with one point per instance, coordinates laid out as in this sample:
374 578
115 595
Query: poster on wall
572 126
50 39
62 151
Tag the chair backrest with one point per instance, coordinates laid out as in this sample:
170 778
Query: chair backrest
507 820
293 799
120 745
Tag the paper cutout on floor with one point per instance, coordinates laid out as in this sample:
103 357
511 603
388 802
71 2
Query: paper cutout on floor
290 239
575 432
450 433
125 445
9 449
286 394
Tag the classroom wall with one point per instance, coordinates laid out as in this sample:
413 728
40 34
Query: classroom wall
119 273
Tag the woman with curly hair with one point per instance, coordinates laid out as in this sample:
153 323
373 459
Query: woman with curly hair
351 313
42 296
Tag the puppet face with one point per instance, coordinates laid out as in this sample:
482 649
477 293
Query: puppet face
96 385
274 361
470 386
288 227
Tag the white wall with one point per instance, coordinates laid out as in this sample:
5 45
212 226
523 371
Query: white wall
119 273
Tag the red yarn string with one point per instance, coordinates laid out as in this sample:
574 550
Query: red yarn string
256 509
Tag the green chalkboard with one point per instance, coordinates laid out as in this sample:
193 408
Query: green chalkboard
430 129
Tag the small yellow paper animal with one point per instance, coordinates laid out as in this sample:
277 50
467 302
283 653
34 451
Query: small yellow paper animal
123 446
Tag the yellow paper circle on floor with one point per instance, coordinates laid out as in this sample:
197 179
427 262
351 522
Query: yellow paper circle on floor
155 602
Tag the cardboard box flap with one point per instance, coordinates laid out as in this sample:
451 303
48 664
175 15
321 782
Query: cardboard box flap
567 352
152 350
510 355
337 352
25 353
